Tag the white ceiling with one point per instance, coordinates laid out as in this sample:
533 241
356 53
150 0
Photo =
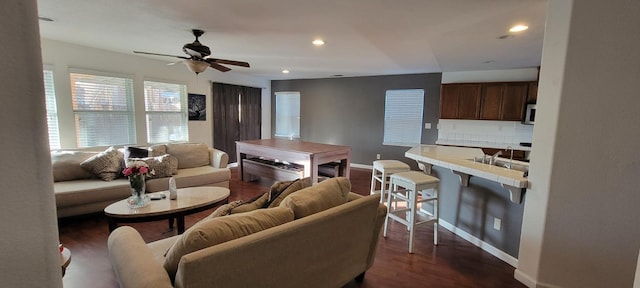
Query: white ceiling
363 37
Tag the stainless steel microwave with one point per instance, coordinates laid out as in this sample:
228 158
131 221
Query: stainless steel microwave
530 116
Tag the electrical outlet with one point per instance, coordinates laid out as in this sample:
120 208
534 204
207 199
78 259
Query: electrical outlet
378 156
497 223
427 125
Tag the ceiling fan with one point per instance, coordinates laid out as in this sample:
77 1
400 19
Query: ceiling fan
199 56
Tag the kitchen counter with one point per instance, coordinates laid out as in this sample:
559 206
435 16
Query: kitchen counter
460 161
482 144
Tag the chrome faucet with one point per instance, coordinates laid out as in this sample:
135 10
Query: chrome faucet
510 159
493 157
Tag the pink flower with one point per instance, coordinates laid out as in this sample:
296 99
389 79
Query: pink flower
127 171
143 170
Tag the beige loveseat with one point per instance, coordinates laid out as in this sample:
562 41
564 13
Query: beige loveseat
82 189
309 240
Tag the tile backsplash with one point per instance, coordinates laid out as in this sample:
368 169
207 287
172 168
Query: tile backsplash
501 132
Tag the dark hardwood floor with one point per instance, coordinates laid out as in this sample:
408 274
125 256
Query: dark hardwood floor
453 263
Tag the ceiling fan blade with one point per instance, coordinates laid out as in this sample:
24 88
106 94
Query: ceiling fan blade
219 67
228 62
158 54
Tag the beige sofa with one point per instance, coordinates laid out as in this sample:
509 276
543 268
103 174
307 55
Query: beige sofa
319 246
79 191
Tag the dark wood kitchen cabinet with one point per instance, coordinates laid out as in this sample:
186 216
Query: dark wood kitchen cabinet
532 95
460 101
503 101
484 101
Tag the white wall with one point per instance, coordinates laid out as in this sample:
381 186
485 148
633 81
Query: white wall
580 225
29 237
505 75
62 56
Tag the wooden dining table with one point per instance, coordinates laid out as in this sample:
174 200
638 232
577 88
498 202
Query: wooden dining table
308 154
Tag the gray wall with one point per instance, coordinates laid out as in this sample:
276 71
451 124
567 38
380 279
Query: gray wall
474 208
350 111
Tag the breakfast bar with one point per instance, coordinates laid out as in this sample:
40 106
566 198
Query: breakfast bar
462 161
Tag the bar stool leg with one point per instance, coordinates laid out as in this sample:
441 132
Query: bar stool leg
412 216
386 219
373 181
436 214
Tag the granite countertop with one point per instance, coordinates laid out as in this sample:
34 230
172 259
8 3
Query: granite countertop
460 159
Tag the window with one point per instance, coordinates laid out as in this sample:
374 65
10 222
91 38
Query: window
103 109
288 114
166 112
403 117
52 110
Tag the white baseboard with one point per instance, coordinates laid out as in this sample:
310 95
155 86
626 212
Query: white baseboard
483 245
530 282
363 166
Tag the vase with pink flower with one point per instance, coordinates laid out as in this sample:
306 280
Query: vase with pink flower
137 171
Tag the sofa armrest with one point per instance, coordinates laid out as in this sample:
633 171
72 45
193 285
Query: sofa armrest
133 262
218 158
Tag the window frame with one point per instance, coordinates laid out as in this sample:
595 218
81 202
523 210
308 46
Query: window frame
404 134
291 133
184 112
129 95
51 106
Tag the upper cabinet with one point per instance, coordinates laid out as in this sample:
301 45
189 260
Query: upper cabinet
532 95
485 101
460 101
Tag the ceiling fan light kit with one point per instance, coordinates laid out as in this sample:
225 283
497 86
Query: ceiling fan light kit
199 59
196 66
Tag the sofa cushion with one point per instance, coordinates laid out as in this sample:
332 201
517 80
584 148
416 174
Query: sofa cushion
189 155
222 229
105 165
319 197
191 177
162 166
88 191
66 165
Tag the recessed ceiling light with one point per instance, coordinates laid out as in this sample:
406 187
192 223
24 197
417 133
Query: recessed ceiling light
45 19
285 71
318 42
518 28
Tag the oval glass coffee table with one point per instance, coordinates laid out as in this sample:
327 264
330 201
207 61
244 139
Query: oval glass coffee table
190 200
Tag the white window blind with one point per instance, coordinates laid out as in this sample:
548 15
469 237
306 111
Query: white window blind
166 112
288 114
103 109
403 117
52 110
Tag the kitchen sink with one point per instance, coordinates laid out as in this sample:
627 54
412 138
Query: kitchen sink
505 163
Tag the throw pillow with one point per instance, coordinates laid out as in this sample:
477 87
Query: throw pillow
189 155
105 165
225 209
161 165
135 152
251 205
293 186
157 150
218 230
66 165
324 195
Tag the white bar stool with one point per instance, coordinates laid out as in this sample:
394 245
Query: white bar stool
382 169
412 182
